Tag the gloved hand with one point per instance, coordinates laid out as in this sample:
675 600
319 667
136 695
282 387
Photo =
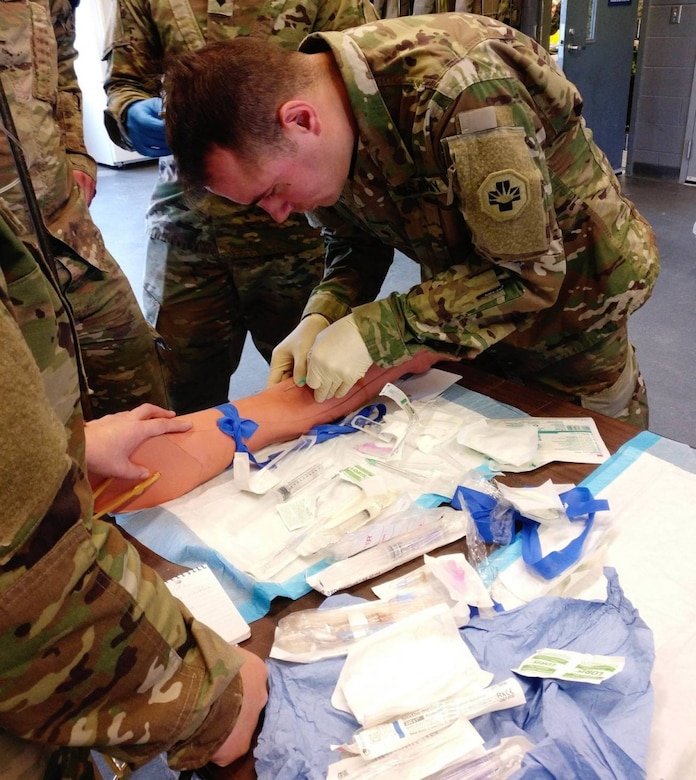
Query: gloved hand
146 127
337 360
289 358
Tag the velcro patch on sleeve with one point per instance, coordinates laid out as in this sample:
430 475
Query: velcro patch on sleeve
502 191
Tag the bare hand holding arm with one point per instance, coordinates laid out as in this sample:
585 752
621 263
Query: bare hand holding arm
111 439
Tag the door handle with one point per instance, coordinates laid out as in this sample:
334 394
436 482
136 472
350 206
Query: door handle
574 47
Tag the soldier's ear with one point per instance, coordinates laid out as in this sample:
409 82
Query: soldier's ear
299 117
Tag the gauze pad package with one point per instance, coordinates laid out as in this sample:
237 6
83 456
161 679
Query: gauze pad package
415 662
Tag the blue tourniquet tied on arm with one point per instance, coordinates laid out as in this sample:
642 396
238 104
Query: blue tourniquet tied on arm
578 730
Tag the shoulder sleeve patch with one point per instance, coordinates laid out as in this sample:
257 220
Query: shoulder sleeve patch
503 195
502 192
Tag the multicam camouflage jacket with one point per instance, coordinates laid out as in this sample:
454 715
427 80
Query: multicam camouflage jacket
473 159
144 35
37 57
94 651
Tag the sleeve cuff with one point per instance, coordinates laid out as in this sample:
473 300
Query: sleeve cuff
380 329
84 163
116 130
217 726
327 305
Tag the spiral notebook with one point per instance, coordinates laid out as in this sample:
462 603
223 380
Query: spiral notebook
208 602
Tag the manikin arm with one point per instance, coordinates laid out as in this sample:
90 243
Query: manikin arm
282 412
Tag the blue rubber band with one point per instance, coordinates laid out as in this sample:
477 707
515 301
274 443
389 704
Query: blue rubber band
242 429
579 503
374 412
239 428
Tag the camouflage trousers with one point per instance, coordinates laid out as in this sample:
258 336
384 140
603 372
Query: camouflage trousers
605 378
204 303
118 346
626 399
23 760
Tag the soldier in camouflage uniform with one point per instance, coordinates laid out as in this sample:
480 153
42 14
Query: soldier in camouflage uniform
94 651
457 140
36 62
214 272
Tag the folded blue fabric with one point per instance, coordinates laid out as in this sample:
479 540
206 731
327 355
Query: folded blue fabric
578 730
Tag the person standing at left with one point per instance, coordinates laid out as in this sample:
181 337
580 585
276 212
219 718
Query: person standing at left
37 56
214 272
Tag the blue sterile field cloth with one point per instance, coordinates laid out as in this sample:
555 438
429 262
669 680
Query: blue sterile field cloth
579 730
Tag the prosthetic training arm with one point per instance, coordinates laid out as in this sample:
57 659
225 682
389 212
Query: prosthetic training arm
281 412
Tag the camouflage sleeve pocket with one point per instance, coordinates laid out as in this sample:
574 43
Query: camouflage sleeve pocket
44 54
502 192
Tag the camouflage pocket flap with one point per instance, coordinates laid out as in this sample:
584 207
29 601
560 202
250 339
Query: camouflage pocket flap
502 192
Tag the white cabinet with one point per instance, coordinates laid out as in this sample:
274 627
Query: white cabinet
91 19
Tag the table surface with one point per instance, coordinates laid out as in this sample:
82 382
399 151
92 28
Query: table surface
530 400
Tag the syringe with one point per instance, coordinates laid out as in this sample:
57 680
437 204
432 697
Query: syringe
288 489
411 475
389 554
271 474
330 632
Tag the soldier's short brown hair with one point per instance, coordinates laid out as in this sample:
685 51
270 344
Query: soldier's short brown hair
227 94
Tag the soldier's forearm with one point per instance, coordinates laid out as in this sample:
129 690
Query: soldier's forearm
281 412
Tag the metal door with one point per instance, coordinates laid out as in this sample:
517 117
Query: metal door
596 53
